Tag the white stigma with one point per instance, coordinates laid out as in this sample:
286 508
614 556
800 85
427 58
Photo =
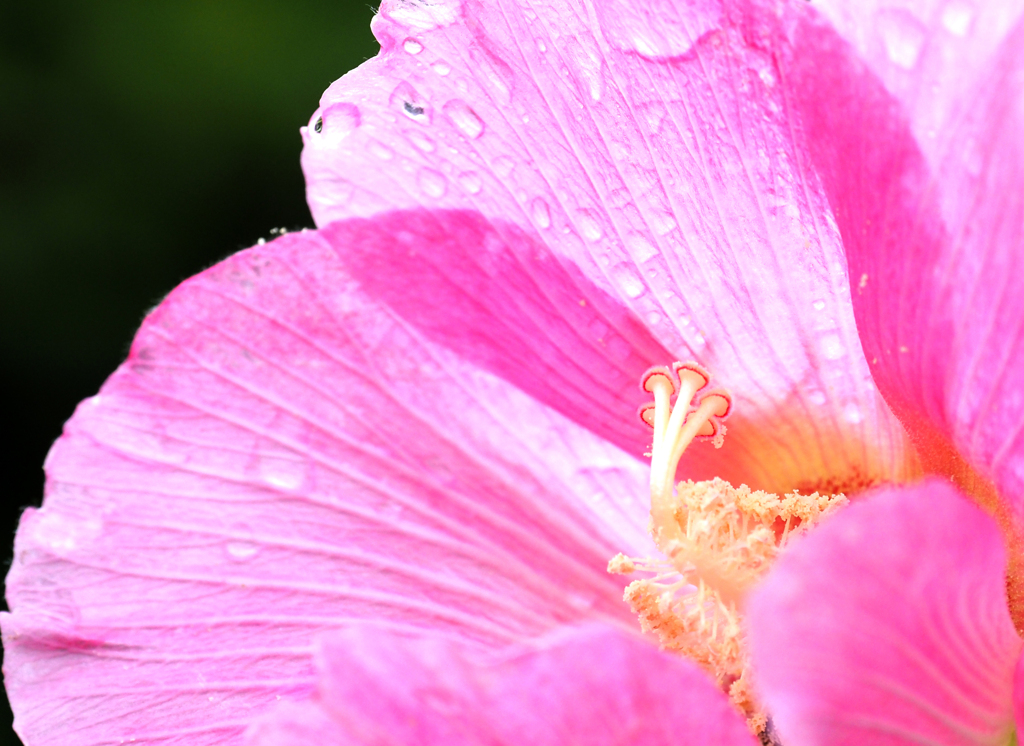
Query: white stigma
675 427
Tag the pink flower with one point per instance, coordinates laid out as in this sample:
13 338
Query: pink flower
422 415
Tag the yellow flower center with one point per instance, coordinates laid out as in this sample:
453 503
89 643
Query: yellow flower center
716 540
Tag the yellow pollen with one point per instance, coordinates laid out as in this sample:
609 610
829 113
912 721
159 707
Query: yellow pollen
716 540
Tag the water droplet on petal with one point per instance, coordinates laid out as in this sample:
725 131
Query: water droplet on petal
433 183
663 222
282 474
441 68
819 305
494 71
625 276
957 17
589 225
405 99
412 46
241 550
657 33
903 36
852 413
62 534
640 247
336 191
541 213
421 141
334 123
471 182
464 118
381 150
832 347
503 165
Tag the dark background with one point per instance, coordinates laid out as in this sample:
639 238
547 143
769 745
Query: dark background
140 142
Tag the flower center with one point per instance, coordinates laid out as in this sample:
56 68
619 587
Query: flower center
716 540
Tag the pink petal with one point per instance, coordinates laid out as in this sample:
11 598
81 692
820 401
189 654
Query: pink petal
653 147
922 158
281 455
498 298
591 686
889 625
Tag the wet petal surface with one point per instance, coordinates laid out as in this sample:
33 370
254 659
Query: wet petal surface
281 455
925 171
655 148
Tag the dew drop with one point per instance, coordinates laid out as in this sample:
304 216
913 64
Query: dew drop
241 550
494 71
541 213
581 601
957 17
281 474
421 141
625 276
852 413
640 247
832 347
903 37
589 226
819 305
405 99
503 165
338 191
63 534
471 182
433 183
464 118
663 222
381 150
334 123
412 46
634 27
440 68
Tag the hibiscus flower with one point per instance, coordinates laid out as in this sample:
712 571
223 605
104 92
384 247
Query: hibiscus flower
403 447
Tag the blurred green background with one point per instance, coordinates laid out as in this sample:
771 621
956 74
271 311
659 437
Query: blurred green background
139 143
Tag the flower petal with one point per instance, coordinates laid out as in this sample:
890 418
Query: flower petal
652 146
921 155
590 685
889 625
281 455
498 298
